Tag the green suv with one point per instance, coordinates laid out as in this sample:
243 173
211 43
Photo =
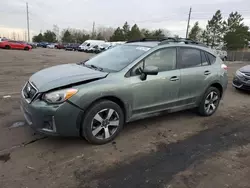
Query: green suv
140 78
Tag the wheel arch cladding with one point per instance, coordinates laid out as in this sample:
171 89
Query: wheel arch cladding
218 86
114 99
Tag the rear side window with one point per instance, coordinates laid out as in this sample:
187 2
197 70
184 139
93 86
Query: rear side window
190 57
204 61
211 58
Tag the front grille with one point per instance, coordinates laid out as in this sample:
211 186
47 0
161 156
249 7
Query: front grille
29 91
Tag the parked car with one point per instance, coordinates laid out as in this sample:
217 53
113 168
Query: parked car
51 46
18 45
3 39
241 78
60 46
89 44
222 54
137 79
102 47
32 44
92 49
72 47
43 44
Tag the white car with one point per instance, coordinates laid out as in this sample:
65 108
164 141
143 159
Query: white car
51 46
90 44
222 54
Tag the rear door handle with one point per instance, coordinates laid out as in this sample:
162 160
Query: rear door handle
207 72
174 78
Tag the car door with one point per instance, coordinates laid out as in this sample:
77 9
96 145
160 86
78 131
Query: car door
20 45
157 92
194 73
12 44
15 45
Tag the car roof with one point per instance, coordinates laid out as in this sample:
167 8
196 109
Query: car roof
153 44
147 44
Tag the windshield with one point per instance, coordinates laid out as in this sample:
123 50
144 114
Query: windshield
84 44
115 59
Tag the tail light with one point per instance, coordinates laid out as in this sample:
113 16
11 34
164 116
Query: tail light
223 66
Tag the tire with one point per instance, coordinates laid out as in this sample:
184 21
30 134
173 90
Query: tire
7 47
208 104
99 133
26 48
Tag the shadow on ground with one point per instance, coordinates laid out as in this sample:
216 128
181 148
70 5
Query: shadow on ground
157 168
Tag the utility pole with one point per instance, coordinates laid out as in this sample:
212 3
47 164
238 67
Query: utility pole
189 16
28 21
93 29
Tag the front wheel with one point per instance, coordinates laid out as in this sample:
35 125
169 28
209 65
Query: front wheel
210 102
103 122
7 47
26 48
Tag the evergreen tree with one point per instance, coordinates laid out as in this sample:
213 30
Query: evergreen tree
38 38
215 30
195 32
67 37
135 33
49 36
117 35
126 30
237 34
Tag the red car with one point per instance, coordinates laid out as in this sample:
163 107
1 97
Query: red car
11 44
60 46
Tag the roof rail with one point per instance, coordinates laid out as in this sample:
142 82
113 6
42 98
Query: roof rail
183 40
153 39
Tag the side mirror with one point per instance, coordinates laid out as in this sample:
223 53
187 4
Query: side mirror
82 62
149 70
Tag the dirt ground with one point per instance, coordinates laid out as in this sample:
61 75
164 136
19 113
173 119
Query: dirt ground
180 150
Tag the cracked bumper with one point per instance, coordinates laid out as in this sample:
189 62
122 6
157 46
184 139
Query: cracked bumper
55 120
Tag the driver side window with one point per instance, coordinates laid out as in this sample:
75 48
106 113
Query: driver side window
164 59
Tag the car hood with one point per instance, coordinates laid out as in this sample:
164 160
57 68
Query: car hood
63 75
245 69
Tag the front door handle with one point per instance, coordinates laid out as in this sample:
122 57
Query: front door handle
207 72
174 78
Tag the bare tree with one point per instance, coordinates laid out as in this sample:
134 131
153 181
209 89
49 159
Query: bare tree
106 32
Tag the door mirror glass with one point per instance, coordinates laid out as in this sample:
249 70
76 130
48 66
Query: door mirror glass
151 70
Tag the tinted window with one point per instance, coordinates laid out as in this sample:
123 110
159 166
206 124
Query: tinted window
190 57
211 58
204 60
117 58
164 59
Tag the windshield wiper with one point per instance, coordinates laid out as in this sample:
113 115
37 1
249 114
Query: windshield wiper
94 67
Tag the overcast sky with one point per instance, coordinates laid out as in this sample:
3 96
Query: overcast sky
152 14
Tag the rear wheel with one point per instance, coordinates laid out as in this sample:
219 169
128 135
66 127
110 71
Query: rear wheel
7 47
103 122
210 102
26 48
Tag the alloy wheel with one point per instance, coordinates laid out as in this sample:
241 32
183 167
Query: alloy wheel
105 123
211 102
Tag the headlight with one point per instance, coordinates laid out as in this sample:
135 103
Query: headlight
239 74
56 97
